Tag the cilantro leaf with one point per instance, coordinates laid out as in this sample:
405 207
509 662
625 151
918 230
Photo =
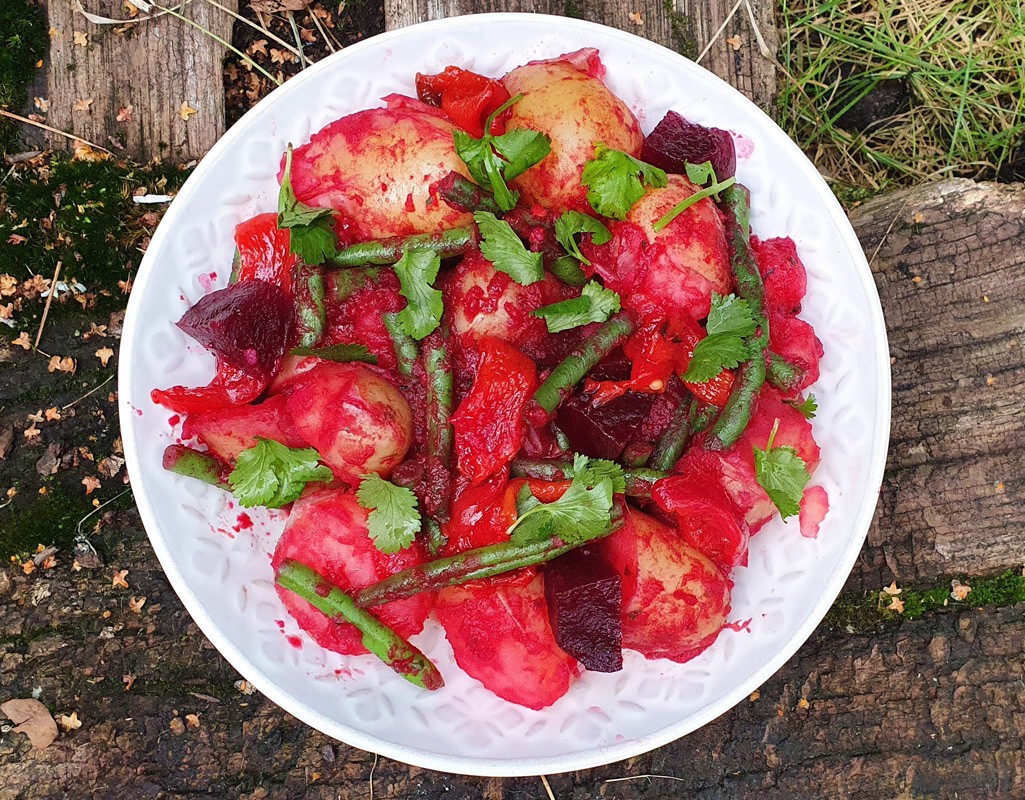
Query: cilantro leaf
312 236
698 174
394 517
782 474
493 160
503 248
595 304
807 407
417 270
615 181
337 352
597 468
573 222
270 474
584 512
730 322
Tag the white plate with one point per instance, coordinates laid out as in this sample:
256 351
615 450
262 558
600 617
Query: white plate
223 576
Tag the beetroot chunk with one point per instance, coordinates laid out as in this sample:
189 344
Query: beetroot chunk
675 141
584 595
248 324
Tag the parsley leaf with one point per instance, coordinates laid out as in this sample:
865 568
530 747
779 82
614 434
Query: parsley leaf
572 223
394 517
584 512
312 236
493 160
698 174
417 270
782 474
337 352
270 474
616 180
502 247
595 304
730 322
807 407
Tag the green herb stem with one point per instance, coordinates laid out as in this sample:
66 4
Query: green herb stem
191 463
686 203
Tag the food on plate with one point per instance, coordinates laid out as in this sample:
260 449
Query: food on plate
509 363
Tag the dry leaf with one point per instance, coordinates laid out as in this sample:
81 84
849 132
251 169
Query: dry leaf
192 720
23 341
104 354
124 114
49 562
31 432
135 604
280 56
130 8
734 42
110 466
119 578
274 6
16 239
754 696
58 364
82 105
81 38
37 417
52 414
892 589
84 152
128 679
187 111
959 591
177 726
803 703
41 103
896 604
69 723
636 17
8 283
32 719
91 484
259 46
95 330
28 567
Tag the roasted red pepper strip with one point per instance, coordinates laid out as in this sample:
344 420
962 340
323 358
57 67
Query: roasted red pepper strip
264 251
467 98
229 387
489 422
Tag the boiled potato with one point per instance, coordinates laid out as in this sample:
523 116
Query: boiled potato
565 98
377 166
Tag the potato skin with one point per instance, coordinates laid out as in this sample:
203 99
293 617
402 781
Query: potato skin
377 166
565 98
356 419
675 600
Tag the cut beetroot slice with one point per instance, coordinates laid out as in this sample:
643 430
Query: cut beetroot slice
584 595
247 324
676 142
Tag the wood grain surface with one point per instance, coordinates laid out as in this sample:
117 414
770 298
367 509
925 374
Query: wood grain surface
154 66
687 27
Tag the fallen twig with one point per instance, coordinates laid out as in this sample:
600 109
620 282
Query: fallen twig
46 308
46 127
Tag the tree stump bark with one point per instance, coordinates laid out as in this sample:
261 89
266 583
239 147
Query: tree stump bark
146 89
687 26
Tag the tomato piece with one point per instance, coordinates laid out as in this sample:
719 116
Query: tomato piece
705 516
230 386
264 251
467 98
715 391
489 422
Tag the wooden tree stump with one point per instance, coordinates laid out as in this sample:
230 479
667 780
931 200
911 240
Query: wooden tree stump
130 88
687 27
948 260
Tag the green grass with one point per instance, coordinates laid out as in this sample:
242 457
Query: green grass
23 41
962 62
